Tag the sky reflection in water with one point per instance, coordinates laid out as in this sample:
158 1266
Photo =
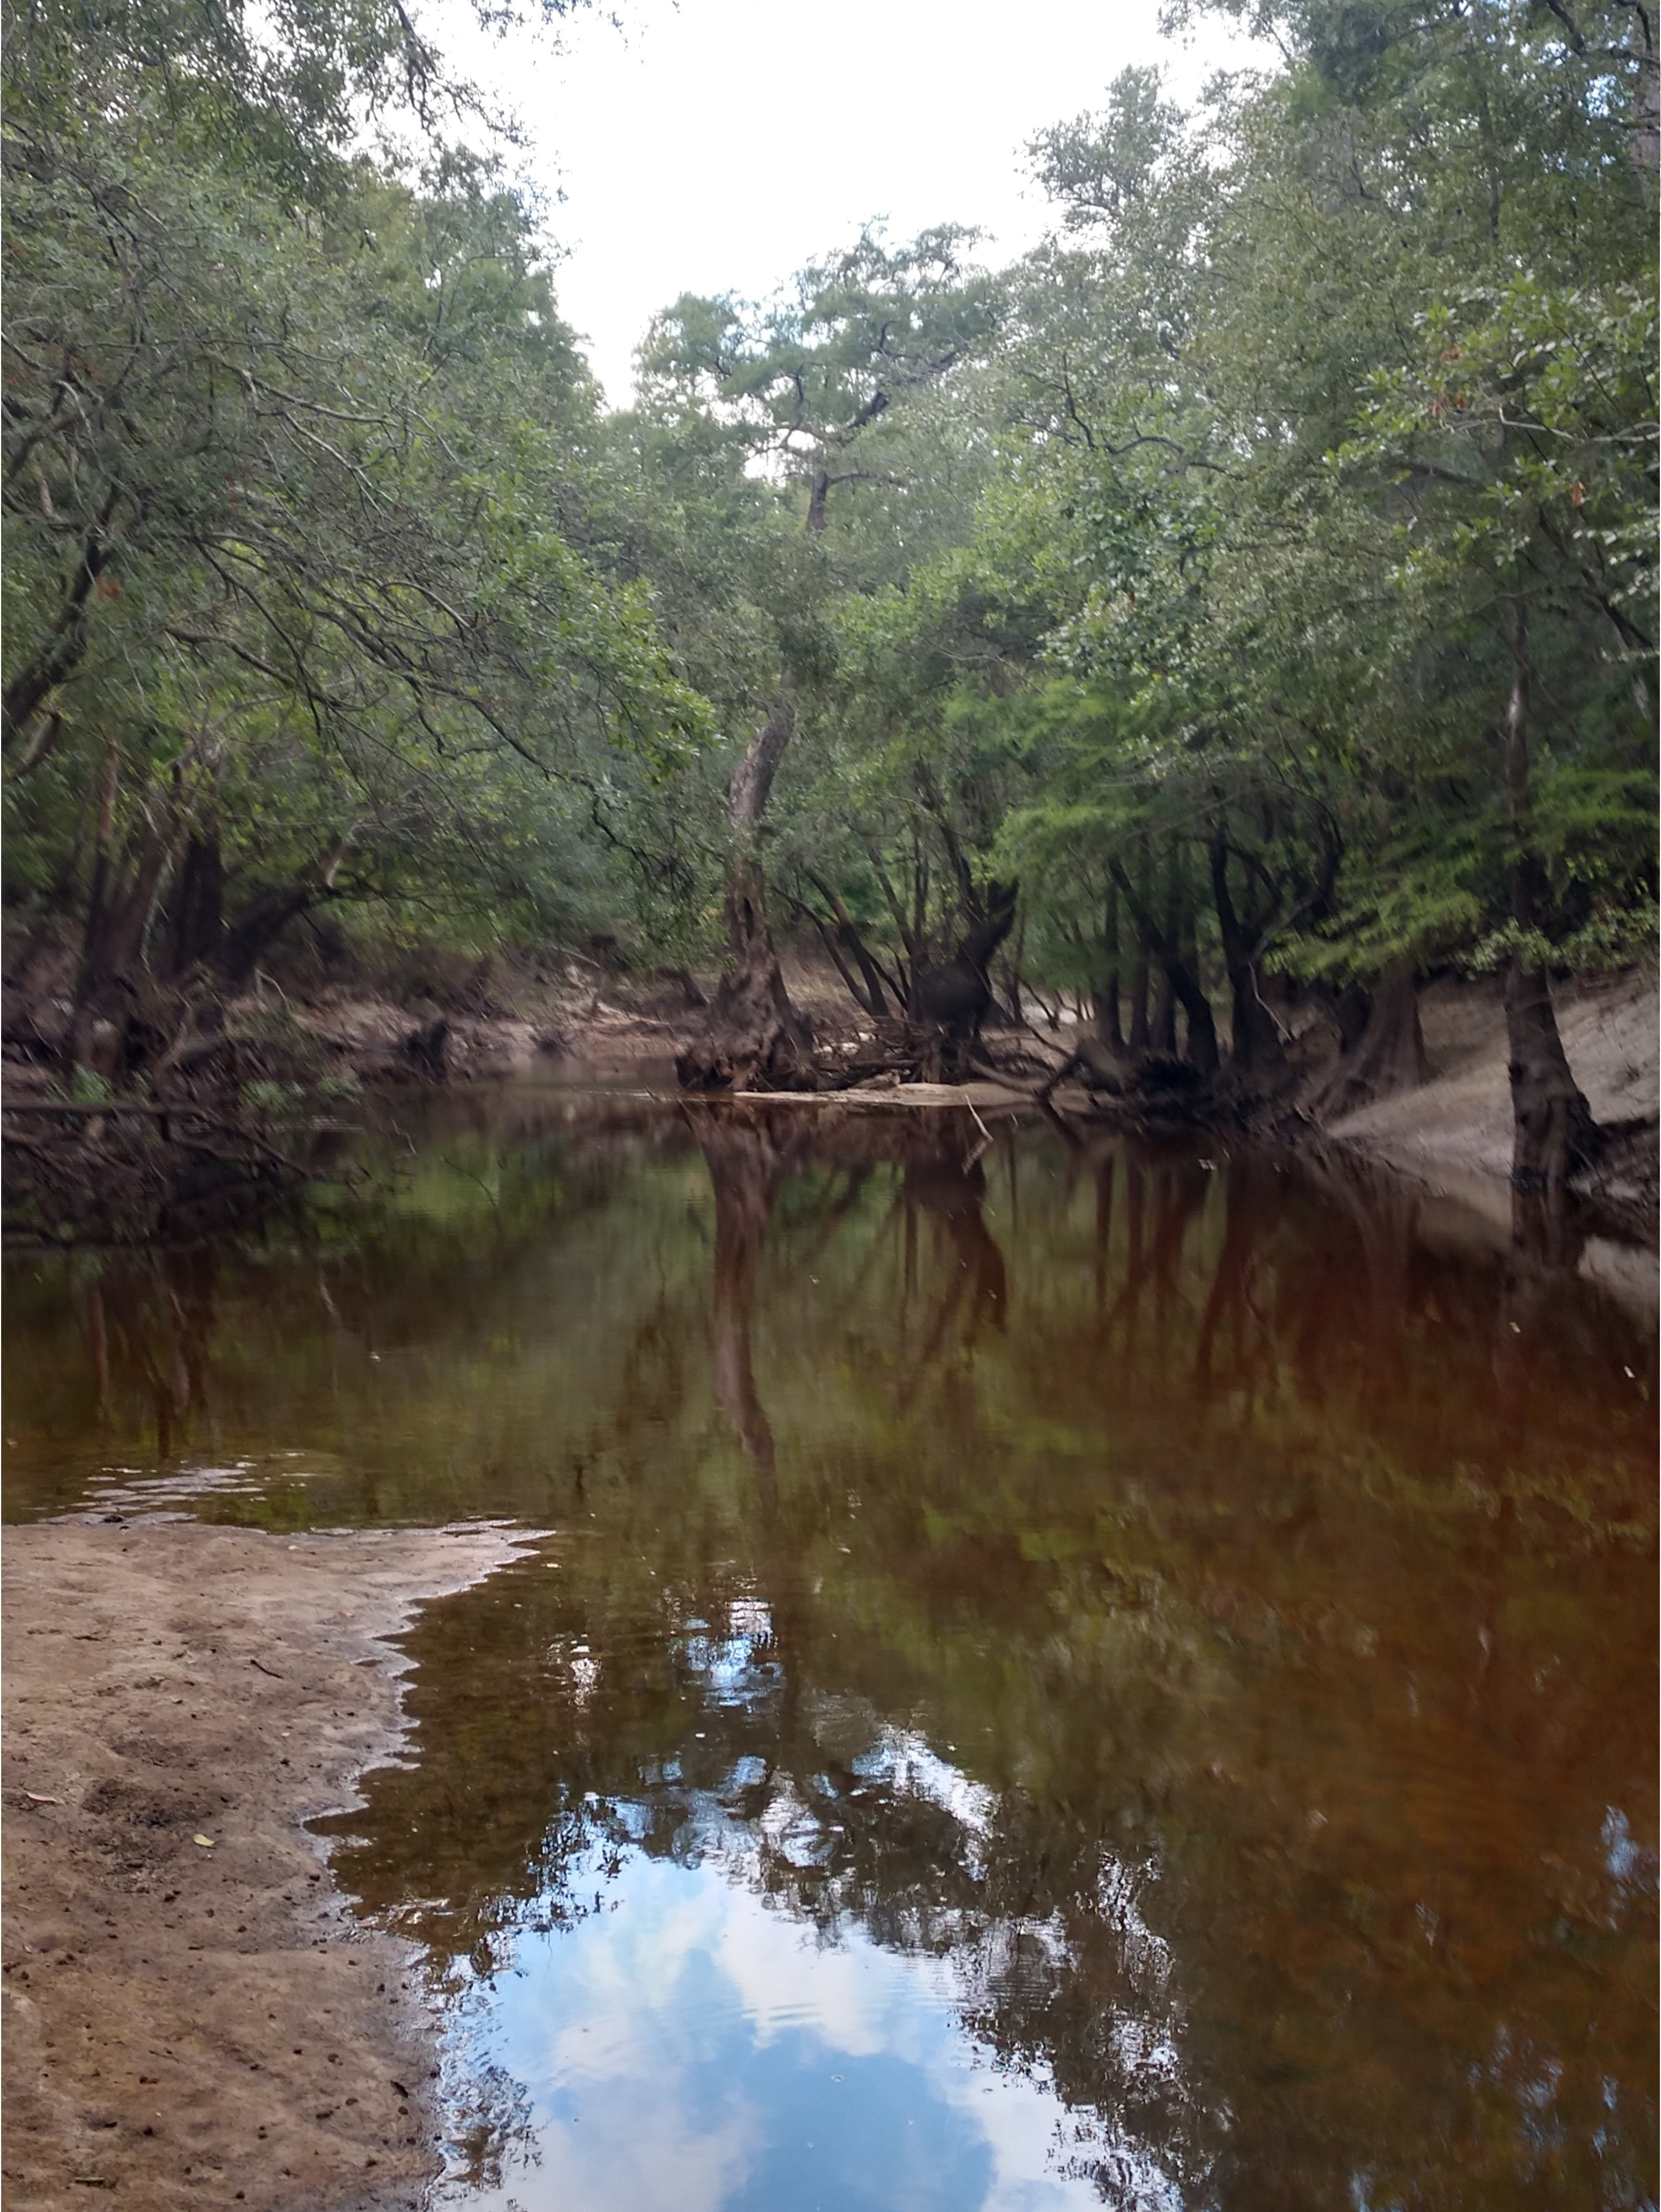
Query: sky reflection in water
687 2042
690 2046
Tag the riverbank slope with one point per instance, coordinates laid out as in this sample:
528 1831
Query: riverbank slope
1457 1126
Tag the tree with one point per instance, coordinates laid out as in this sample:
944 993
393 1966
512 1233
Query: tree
1287 567
298 608
1531 416
808 397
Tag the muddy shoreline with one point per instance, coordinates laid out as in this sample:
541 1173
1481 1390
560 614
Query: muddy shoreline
192 2022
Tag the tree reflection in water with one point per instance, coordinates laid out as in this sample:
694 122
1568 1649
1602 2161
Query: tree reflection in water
1202 1604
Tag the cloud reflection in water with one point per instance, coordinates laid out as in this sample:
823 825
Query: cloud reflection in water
691 2049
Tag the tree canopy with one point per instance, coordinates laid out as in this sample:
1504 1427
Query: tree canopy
1250 589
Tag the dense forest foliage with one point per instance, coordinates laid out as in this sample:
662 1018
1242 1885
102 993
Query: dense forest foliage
1252 588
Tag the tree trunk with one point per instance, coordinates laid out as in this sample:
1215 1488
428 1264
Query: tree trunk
1107 1012
66 642
849 938
1136 1036
955 995
1141 905
121 901
1017 1011
1388 1056
754 1038
1256 1048
829 939
245 944
1553 1130
196 911
1188 947
1351 1009
900 983
1162 1020
1185 980
1162 1015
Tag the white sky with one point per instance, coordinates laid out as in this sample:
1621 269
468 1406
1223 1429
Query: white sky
719 144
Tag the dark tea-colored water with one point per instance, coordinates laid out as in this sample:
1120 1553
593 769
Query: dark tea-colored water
1050 1674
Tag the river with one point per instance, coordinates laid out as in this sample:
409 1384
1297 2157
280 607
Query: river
1048 1674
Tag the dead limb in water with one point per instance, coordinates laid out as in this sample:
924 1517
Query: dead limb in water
134 1178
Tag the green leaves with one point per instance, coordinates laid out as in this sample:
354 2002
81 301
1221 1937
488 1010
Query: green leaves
279 95
801 385
1346 370
307 524
1531 414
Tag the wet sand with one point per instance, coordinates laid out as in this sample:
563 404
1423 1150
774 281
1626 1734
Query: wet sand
191 2023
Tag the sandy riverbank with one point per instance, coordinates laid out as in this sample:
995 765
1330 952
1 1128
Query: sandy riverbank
1459 1123
190 2023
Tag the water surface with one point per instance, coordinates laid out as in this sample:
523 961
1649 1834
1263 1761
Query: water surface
1052 1674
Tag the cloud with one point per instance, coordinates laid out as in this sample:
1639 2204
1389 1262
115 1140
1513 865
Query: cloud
693 2045
717 148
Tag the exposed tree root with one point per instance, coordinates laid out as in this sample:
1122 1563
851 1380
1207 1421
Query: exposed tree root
753 1038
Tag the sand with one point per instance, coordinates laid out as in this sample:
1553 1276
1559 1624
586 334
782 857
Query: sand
191 2023
1461 1119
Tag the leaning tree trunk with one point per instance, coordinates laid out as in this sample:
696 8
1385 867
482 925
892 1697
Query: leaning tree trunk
847 938
1388 1056
1553 1130
753 1038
